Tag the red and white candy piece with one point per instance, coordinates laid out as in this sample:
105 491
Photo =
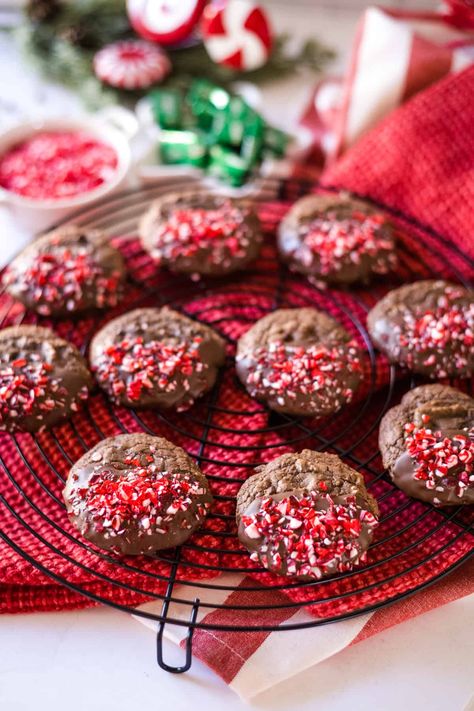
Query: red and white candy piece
164 21
131 64
237 34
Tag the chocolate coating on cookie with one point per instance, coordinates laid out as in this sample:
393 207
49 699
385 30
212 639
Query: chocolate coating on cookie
427 445
300 362
43 379
306 515
136 494
67 271
337 239
156 357
427 326
201 233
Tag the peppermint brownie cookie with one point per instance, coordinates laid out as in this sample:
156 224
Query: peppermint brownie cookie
427 445
156 358
136 494
43 379
306 515
299 362
67 271
428 327
337 239
199 233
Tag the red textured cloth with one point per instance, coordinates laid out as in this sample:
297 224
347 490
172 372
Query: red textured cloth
393 166
420 159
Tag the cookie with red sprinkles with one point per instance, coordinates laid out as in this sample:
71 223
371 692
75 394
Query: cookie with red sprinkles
136 494
427 445
300 362
43 379
337 239
67 271
427 327
307 515
201 234
156 358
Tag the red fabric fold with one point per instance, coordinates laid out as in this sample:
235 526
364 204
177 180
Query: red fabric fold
420 160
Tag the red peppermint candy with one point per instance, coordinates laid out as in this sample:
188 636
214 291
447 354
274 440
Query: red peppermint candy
441 462
237 34
337 242
57 164
287 371
131 64
222 232
140 495
309 535
62 276
134 366
164 21
440 335
28 388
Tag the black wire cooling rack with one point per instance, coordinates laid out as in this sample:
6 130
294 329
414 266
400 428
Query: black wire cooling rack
416 544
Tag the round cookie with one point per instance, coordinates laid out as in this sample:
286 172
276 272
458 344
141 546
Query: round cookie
428 327
156 358
299 362
306 515
67 271
43 379
427 445
200 233
136 494
337 239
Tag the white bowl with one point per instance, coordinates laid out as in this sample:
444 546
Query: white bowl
114 126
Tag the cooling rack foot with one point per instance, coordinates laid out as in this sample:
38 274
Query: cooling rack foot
188 647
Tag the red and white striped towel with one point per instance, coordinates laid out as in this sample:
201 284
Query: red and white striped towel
395 55
253 662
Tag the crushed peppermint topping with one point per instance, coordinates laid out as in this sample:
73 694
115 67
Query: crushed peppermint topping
57 164
309 535
288 371
440 336
28 388
134 366
441 462
338 242
69 276
140 496
221 232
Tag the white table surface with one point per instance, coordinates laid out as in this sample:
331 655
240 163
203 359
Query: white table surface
101 659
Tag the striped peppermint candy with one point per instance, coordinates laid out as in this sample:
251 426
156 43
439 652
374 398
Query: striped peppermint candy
165 21
237 34
132 64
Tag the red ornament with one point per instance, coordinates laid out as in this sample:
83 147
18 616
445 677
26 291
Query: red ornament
165 21
237 34
131 64
460 13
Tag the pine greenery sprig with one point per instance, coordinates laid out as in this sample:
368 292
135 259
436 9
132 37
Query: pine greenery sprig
63 44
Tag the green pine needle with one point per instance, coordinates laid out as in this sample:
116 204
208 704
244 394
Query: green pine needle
95 23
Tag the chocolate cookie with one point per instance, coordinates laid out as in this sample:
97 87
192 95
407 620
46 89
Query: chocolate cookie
67 271
300 362
136 494
428 327
156 357
199 233
427 445
306 515
43 379
337 239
